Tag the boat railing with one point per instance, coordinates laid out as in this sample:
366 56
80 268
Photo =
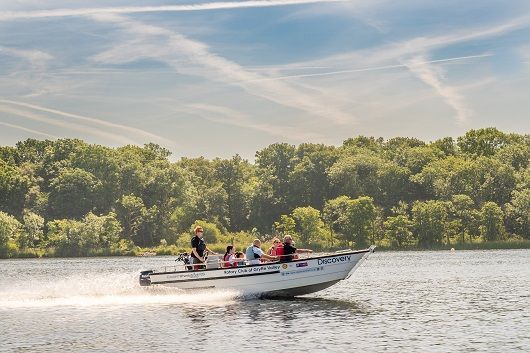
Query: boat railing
220 264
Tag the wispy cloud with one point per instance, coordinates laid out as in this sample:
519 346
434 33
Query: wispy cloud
432 76
376 68
82 129
36 58
397 51
228 116
31 131
136 132
15 15
194 58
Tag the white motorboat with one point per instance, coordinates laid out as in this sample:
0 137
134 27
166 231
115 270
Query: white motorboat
297 277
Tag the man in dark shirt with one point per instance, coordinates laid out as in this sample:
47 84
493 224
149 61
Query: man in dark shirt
289 250
198 247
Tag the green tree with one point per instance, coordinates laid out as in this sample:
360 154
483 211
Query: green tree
33 229
483 179
515 155
275 164
447 145
14 186
361 214
398 230
334 216
483 142
370 175
416 158
10 228
132 214
492 225
309 225
64 236
464 216
73 193
102 163
233 175
286 225
309 181
211 231
518 213
429 222
100 232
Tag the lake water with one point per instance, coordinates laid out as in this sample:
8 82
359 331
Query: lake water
463 301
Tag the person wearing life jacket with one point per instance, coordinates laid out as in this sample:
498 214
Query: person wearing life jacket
255 254
228 258
289 251
273 250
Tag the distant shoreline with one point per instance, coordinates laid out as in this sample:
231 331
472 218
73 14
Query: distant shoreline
173 250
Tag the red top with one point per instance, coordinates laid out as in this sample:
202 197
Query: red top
279 249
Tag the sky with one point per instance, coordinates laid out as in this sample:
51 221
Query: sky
216 79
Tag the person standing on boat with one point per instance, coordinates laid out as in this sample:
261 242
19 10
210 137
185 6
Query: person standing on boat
255 254
198 248
289 251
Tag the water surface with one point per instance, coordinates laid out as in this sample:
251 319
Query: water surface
465 301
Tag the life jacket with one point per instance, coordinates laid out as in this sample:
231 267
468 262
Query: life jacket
250 253
226 260
279 250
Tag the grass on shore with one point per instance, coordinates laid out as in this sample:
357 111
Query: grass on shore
220 249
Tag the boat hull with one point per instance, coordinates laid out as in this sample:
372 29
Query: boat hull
293 278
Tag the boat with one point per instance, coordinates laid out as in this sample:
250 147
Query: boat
270 279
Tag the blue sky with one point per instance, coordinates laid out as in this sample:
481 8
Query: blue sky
220 78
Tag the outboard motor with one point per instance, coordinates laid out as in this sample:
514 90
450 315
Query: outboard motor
145 279
185 258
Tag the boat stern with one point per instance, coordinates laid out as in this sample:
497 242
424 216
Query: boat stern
145 278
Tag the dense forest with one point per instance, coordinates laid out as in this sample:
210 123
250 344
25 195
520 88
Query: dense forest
70 198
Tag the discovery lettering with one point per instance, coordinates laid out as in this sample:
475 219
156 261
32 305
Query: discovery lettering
334 260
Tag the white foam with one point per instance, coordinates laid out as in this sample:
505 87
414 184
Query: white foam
111 289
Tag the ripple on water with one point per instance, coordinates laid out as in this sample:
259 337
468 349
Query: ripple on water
413 301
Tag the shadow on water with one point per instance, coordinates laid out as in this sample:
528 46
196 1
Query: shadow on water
285 311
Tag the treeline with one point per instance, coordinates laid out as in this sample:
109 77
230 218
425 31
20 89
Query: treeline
67 197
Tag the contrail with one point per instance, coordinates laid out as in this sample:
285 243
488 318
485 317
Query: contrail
27 130
385 67
432 78
15 15
65 124
133 130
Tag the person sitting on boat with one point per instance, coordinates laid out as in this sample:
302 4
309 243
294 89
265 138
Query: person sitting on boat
289 251
276 243
230 259
240 259
198 248
255 254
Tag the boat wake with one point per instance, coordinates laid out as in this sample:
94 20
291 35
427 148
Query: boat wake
107 289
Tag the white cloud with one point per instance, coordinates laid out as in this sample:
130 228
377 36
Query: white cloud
146 136
433 77
22 128
36 58
194 58
228 116
16 15
82 129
